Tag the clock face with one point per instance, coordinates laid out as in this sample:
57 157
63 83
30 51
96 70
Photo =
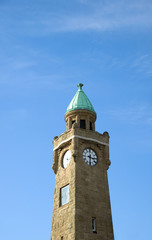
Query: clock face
90 157
66 158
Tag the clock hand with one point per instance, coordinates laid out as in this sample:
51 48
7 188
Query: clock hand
89 159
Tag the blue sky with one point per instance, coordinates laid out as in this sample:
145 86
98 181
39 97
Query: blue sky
46 48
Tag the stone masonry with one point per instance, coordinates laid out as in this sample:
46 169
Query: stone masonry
88 186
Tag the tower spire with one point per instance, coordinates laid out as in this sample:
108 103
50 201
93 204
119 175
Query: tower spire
80 101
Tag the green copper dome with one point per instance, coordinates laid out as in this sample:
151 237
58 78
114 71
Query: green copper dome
80 101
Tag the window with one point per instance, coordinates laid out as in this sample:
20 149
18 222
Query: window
64 195
61 238
73 122
90 125
82 124
94 225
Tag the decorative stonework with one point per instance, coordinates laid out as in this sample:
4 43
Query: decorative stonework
108 163
55 162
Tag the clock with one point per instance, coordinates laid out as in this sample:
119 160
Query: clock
90 157
66 158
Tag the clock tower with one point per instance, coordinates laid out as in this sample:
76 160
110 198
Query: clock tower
81 209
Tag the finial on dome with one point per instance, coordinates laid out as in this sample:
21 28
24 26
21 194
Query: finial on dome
80 85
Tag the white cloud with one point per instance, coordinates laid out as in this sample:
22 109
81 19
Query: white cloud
81 15
143 64
102 16
22 64
13 114
133 115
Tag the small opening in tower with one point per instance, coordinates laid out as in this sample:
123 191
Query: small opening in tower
90 125
94 225
73 122
83 124
61 238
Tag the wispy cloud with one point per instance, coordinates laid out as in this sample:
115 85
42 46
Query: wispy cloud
133 115
23 64
143 64
82 15
134 63
12 114
102 16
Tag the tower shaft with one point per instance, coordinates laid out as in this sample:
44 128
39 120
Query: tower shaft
81 209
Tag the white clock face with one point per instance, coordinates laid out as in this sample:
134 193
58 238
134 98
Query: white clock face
90 157
66 158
